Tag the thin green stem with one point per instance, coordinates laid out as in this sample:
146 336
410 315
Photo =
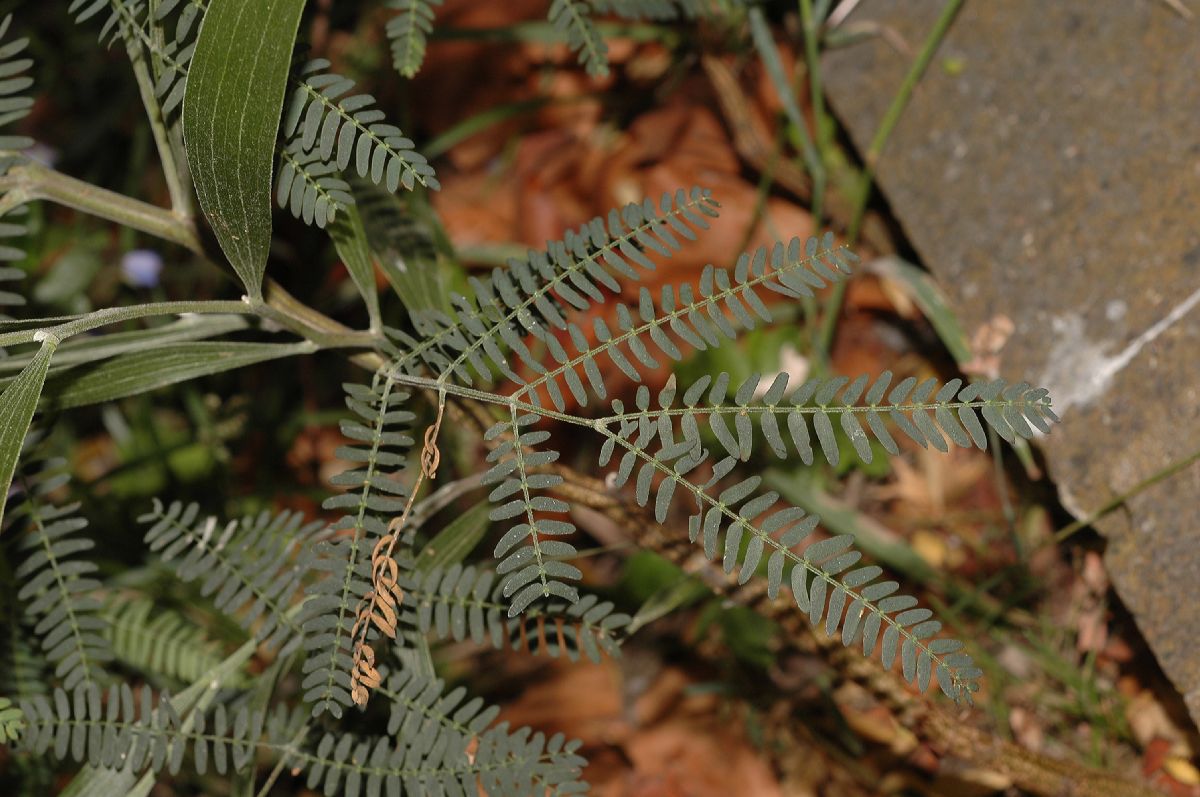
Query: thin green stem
1119 500
894 111
181 199
760 32
31 180
115 315
823 129
833 306
328 340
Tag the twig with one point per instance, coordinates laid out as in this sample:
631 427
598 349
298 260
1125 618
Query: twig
833 305
181 198
115 315
35 181
1119 500
1179 8
751 142
821 123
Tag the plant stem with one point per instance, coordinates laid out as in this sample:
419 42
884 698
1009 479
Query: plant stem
1117 501
294 315
181 199
822 129
833 306
899 102
31 180
760 31
115 315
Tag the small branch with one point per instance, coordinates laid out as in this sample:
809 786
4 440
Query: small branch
899 103
821 123
293 314
181 199
31 180
833 306
115 315
1117 501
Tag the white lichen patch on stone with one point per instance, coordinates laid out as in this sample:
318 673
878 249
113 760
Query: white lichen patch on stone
1079 369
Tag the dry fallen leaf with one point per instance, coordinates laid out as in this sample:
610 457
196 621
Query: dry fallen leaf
673 742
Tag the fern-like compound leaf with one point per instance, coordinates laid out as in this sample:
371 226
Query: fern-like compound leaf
446 727
12 721
310 187
408 30
373 496
121 728
248 567
681 319
573 19
14 106
532 566
468 603
570 275
159 641
14 103
660 447
926 412
57 583
661 444
325 116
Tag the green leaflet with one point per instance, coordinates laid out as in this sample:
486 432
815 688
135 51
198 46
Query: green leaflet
138 372
231 112
351 241
17 404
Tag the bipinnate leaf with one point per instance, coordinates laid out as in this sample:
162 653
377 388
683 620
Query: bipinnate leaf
17 404
231 112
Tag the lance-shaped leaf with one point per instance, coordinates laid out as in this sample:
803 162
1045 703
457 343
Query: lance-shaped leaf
17 403
231 112
138 372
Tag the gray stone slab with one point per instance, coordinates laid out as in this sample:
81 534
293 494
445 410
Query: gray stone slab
1047 168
